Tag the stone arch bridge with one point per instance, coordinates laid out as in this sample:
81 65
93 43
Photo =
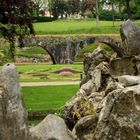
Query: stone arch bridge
62 49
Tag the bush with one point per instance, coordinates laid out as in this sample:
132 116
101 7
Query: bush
43 19
88 14
90 48
107 15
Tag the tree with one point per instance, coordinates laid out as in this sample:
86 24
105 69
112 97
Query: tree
73 6
113 4
56 8
136 9
40 5
97 12
126 4
93 6
15 21
89 5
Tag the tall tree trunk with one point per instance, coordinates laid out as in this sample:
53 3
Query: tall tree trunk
128 8
97 14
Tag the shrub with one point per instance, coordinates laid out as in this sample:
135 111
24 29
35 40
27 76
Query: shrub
43 19
88 14
90 48
107 15
85 108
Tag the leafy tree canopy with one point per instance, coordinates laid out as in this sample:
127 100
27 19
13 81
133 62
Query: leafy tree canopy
15 20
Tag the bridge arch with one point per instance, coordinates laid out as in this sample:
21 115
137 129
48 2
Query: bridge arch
50 54
65 52
61 50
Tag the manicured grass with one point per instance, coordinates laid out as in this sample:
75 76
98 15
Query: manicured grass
76 27
31 51
44 72
90 48
48 97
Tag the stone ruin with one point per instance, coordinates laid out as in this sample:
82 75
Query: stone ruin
106 107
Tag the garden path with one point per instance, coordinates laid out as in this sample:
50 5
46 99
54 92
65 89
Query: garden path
27 84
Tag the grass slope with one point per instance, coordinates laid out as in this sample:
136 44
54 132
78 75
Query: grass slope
90 48
76 27
47 97
31 51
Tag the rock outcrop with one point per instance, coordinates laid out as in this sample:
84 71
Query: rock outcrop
130 34
120 115
13 116
107 105
129 43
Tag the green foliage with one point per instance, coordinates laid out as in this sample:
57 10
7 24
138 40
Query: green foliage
34 122
88 5
73 7
91 48
5 53
77 27
138 137
15 21
31 51
85 107
136 10
88 14
44 19
56 7
105 15
47 97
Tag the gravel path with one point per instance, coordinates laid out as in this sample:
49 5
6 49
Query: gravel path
28 84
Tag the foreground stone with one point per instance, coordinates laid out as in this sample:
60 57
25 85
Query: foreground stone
13 116
130 34
51 128
128 80
85 127
130 40
93 89
119 119
107 105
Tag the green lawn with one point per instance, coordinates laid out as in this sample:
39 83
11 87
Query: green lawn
45 72
31 51
48 97
76 27
90 48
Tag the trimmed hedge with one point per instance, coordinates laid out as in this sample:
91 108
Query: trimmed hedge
43 19
107 15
